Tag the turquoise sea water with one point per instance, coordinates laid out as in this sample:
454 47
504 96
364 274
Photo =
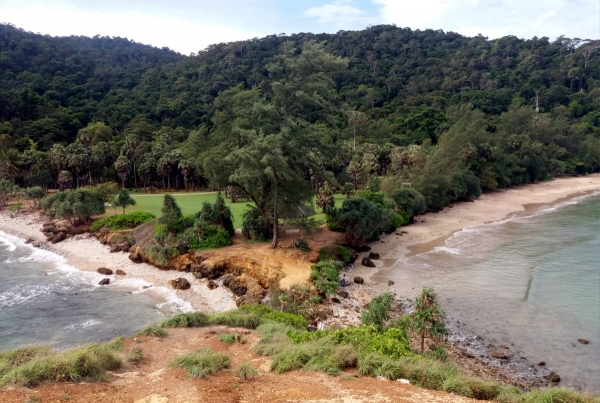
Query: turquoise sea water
45 301
530 282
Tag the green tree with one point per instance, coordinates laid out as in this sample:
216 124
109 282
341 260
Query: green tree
348 190
122 166
78 205
378 312
123 199
428 318
325 197
34 195
171 213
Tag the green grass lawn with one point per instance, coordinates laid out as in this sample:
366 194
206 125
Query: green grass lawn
192 202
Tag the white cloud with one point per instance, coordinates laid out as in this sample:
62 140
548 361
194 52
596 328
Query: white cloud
182 35
341 14
497 18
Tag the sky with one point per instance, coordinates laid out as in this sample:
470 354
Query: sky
188 26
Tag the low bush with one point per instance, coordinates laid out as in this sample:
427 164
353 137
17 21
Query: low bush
135 355
202 363
228 338
153 331
378 312
122 221
270 314
236 318
335 252
195 319
391 343
245 372
88 362
324 276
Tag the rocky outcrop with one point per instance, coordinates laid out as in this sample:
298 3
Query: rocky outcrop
367 262
358 280
104 281
105 271
583 341
212 285
61 236
235 285
180 284
373 255
390 283
120 272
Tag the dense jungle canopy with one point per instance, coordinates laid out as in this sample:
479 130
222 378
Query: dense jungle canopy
272 119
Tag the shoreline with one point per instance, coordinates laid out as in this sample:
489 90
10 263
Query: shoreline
432 230
86 254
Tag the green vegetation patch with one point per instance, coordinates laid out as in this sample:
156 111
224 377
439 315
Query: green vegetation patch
153 331
122 221
335 252
324 276
83 363
202 363
245 372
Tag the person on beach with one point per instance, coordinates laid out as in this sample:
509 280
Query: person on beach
343 281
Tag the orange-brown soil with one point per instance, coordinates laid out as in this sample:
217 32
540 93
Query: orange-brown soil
152 381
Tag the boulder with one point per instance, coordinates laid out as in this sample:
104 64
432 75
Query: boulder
373 255
364 248
61 236
135 256
390 283
212 285
115 248
236 286
335 300
367 262
358 280
120 272
500 354
105 271
503 346
343 294
542 363
125 247
583 341
553 377
180 283
104 281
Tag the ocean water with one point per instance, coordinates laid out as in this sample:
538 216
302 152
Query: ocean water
531 283
43 300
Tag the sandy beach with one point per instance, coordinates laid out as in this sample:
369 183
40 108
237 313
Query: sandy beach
429 231
86 253
433 229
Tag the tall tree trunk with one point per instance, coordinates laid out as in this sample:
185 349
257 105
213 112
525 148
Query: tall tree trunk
134 177
275 221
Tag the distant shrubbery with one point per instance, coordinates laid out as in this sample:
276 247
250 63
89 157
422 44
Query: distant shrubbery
325 276
122 221
335 252
75 205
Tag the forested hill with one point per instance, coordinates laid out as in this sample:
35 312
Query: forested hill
50 87
275 118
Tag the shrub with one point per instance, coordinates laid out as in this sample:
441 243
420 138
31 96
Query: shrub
228 338
135 355
410 202
267 313
428 317
123 221
324 276
202 363
171 213
87 362
153 331
245 372
236 318
348 189
391 343
195 319
215 237
254 225
335 252
361 220
378 312
75 205
34 195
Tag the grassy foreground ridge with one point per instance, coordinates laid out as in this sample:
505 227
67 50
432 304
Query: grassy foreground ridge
375 353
